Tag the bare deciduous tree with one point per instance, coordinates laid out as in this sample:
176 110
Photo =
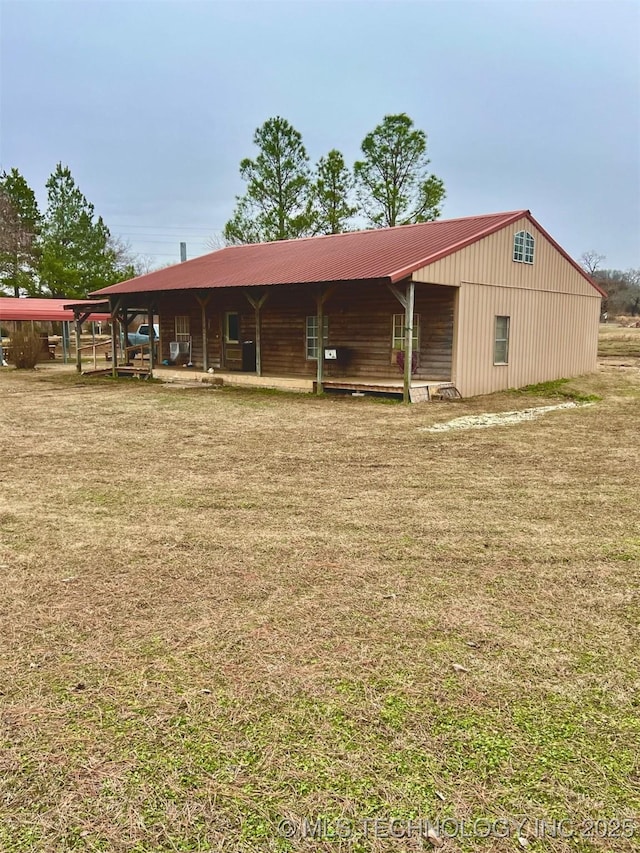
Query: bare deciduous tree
591 260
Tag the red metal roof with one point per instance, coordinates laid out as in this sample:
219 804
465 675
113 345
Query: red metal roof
43 310
383 253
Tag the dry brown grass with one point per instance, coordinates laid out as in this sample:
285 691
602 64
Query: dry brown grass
222 608
619 341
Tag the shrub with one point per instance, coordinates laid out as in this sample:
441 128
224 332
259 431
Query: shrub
26 347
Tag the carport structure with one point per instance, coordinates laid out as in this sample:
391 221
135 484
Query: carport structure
120 315
43 310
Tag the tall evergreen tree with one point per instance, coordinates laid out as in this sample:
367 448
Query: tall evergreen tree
394 184
78 255
19 227
332 187
278 201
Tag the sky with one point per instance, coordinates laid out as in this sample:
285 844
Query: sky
527 104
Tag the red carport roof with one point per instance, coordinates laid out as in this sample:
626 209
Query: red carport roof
379 254
43 310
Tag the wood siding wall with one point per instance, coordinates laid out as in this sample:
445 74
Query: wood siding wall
553 310
359 317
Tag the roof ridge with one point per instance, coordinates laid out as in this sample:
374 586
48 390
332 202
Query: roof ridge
506 213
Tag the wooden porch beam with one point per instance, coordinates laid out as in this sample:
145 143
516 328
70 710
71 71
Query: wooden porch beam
327 291
402 299
257 305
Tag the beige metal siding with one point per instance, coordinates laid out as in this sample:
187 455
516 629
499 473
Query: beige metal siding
490 261
551 336
553 310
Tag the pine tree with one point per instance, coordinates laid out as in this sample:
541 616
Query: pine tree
78 255
278 201
394 184
19 228
332 187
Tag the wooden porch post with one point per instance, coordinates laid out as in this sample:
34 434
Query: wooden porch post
320 324
203 301
77 324
257 305
152 341
408 342
115 306
407 300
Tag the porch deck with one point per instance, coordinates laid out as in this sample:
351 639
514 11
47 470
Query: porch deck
300 384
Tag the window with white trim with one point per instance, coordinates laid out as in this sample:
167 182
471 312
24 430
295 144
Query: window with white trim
312 334
501 341
182 328
523 246
397 334
232 327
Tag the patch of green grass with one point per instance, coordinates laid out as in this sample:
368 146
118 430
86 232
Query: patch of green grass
556 388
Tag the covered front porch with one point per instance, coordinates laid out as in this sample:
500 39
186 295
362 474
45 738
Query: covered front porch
344 337
420 389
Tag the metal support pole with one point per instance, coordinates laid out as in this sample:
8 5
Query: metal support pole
408 342
320 339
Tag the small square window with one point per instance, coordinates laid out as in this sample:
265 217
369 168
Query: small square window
501 341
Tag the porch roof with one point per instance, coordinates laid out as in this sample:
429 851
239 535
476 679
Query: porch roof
40 309
389 254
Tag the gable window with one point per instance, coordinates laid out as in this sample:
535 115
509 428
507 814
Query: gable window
523 246
501 341
182 328
397 334
312 334
232 327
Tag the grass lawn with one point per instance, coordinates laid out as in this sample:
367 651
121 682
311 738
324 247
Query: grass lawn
221 610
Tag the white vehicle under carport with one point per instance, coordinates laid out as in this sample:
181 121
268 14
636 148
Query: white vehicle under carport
138 341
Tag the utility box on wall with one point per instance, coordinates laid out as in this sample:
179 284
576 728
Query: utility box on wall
337 355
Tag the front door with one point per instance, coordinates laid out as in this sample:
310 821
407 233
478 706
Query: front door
232 347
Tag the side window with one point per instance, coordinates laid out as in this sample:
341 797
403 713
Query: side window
523 247
182 328
312 334
501 341
232 327
397 332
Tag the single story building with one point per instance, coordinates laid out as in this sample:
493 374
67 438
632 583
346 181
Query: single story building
485 303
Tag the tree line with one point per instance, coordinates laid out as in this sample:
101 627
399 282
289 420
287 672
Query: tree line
67 251
286 198
621 286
